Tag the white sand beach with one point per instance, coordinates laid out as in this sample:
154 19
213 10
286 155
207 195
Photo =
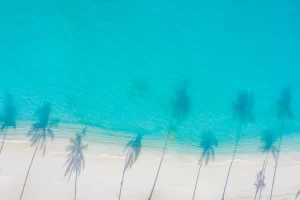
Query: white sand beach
104 164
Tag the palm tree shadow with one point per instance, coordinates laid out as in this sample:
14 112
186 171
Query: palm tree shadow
181 109
75 160
208 143
42 129
243 107
284 113
38 134
133 149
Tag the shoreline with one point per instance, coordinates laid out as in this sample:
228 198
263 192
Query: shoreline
98 150
117 140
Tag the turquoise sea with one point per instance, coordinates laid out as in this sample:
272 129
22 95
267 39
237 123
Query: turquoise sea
117 64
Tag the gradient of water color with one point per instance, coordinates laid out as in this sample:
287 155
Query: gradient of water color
117 64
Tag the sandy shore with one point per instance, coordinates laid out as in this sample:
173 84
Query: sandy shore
102 175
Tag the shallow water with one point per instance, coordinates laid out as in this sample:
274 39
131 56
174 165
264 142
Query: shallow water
117 64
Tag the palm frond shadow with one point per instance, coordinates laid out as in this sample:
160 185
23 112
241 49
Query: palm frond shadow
9 118
260 181
284 104
40 135
243 106
208 143
42 129
75 159
268 139
181 103
133 149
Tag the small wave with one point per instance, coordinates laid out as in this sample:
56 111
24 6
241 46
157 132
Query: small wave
17 141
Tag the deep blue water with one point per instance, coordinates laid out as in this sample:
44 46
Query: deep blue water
117 64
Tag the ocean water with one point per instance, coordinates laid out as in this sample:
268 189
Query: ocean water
117 64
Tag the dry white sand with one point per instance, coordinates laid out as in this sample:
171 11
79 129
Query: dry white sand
102 175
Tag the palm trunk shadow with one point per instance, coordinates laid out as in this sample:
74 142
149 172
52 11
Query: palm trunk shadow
230 166
277 156
3 140
32 159
264 172
122 181
276 164
160 163
75 190
201 161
